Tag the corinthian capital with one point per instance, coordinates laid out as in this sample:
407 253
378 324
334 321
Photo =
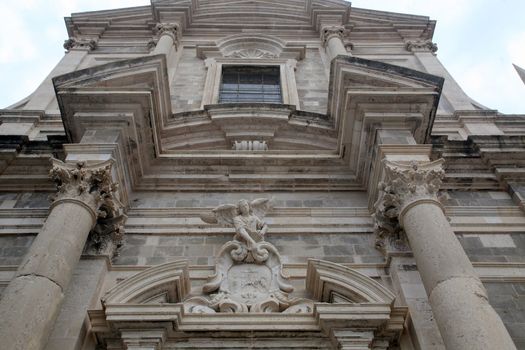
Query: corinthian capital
90 185
329 32
172 29
421 46
404 185
74 43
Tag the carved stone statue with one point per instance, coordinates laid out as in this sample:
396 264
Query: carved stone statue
246 218
248 276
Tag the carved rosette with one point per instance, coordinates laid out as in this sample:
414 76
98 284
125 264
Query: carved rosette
404 185
171 29
330 32
94 188
83 44
421 46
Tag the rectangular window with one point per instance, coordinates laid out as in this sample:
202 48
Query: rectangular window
250 84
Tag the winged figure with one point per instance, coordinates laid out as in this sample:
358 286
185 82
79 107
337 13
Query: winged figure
246 217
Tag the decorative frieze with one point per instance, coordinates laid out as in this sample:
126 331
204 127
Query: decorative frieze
250 146
421 46
83 44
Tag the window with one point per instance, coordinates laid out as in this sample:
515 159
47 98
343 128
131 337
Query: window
250 84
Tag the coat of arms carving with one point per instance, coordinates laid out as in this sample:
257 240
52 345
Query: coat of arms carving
249 275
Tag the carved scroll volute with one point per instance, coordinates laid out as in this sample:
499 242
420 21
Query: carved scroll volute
404 185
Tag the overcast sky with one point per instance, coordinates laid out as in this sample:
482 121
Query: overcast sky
478 41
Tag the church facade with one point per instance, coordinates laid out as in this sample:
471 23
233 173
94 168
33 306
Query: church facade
258 174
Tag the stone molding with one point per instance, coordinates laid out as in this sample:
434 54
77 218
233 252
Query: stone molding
167 283
326 281
421 46
404 186
330 32
81 44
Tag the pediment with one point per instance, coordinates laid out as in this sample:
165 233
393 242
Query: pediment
152 305
366 96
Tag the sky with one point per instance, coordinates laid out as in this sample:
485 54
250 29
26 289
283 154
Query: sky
478 41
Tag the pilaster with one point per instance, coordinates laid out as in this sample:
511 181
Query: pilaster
425 52
76 50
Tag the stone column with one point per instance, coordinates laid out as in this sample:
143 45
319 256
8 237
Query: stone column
457 297
332 38
167 44
425 52
32 300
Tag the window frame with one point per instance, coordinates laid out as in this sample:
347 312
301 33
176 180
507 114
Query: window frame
214 77
259 92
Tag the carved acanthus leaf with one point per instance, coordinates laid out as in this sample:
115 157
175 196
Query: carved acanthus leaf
403 185
421 45
75 43
92 185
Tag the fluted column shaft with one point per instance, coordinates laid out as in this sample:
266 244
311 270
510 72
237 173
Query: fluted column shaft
457 297
31 301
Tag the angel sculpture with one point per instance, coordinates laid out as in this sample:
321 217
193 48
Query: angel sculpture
245 217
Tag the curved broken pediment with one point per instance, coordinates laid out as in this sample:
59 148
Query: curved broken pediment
167 283
157 301
331 282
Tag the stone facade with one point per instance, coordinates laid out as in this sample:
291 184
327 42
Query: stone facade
376 207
